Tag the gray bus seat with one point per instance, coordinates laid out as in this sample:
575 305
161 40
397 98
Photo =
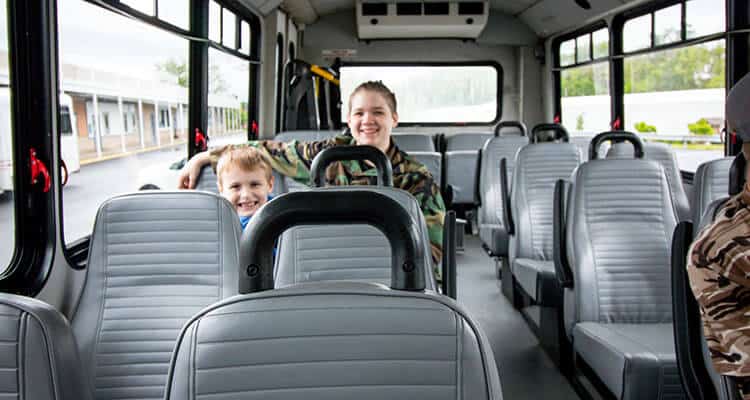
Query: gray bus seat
583 143
618 312
38 354
664 155
538 167
409 142
434 163
156 259
490 218
207 180
345 252
462 164
711 182
333 340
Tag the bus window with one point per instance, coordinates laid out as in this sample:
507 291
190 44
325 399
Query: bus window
126 106
7 217
584 89
228 77
676 96
433 94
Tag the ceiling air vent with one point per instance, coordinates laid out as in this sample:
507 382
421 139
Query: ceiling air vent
428 19
442 8
408 8
374 9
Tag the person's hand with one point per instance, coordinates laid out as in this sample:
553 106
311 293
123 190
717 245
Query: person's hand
189 173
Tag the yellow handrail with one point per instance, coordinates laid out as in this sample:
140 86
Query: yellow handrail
324 74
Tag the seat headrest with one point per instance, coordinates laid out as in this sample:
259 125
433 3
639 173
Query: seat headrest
738 109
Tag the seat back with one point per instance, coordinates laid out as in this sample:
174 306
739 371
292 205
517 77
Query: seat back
538 167
409 142
583 143
38 354
345 252
620 221
334 341
494 150
711 182
207 180
156 258
664 155
284 184
434 163
462 165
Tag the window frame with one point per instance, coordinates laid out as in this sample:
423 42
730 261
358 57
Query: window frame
494 64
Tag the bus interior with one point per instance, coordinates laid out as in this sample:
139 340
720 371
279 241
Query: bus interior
573 142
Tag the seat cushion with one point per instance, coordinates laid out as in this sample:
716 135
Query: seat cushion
536 277
495 237
635 361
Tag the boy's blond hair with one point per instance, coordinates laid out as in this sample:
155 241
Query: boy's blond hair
245 158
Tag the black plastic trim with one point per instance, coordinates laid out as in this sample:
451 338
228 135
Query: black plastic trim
615 136
559 250
511 124
341 153
505 195
449 255
560 132
327 207
737 174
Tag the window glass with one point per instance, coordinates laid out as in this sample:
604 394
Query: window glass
144 6
228 23
7 215
583 47
568 52
245 37
176 13
601 43
677 97
585 99
214 22
667 25
704 17
637 33
432 94
127 107
228 86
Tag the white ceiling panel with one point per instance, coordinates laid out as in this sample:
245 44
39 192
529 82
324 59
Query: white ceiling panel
511 7
325 7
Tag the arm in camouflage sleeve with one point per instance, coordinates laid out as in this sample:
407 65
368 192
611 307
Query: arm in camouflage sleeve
292 159
427 193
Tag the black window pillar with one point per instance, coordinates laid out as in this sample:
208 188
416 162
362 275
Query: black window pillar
253 106
198 74
617 74
738 51
32 45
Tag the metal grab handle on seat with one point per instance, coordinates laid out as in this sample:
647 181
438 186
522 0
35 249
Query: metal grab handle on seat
340 153
511 124
615 136
325 207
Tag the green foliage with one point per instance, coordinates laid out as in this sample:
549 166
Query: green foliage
687 68
643 127
701 127
579 122
178 69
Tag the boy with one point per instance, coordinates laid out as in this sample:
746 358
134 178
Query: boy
244 178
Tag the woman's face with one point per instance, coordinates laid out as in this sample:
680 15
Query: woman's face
371 120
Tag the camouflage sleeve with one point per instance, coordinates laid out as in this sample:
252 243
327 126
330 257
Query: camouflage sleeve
292 159
718 267
427 193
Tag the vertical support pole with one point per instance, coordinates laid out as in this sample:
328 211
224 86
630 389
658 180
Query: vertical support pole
198 73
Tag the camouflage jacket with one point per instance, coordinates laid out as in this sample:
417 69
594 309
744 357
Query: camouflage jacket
294 158
719 272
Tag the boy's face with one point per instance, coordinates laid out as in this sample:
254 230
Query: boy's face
246 190
371 120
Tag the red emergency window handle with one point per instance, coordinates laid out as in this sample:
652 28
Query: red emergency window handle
616 124
201 143
254 128
557 119
38 168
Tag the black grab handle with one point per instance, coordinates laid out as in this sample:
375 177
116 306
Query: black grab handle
737 174
340 153
511 124
615 136
325 207
560 132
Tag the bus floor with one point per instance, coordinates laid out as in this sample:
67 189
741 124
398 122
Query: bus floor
526 372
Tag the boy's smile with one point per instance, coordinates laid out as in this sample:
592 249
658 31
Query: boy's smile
246 190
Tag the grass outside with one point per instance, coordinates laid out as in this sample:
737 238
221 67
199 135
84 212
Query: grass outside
677 144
